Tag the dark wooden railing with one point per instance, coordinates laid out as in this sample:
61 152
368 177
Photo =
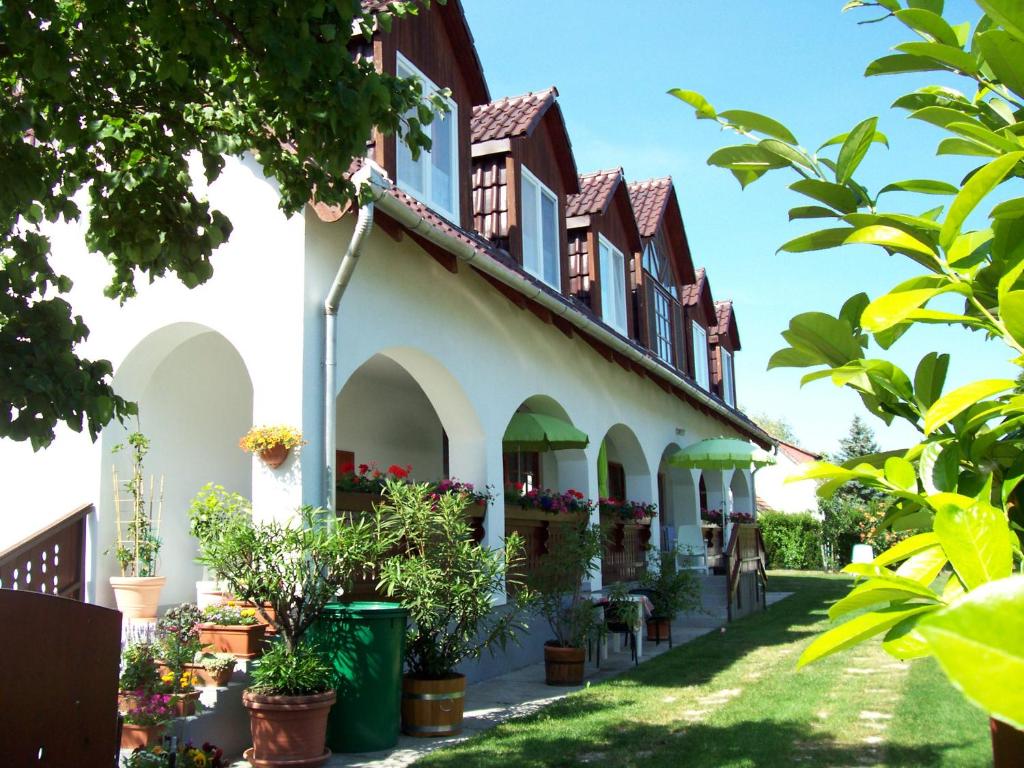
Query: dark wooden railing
745 554
51 561
625 552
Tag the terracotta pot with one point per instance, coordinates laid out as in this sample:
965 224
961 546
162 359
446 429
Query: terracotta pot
127 700
1007 744
563 666
133 736
245 641
185 703
274 456
353 501
137 597
288 730
433 707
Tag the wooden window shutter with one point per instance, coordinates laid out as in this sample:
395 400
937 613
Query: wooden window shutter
649 336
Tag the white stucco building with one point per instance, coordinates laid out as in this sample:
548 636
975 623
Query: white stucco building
776 494
494 279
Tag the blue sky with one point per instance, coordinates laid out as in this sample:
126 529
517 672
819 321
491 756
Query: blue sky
799 61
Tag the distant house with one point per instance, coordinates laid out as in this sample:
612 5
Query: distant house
774 493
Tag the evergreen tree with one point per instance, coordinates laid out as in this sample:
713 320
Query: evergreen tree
859 442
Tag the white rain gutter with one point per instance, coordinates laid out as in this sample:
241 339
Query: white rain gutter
364 224
380 185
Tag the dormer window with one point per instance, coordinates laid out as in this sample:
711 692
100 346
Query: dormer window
658 266
728 391
433 177
700 355
613 286
540 229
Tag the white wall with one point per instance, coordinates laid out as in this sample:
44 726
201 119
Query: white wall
781 496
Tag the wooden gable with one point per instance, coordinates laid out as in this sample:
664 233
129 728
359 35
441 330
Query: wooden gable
438 43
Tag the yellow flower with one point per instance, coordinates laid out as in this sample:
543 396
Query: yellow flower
248 612
167 677
198 758
157 750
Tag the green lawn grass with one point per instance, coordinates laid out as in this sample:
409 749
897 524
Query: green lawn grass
735 698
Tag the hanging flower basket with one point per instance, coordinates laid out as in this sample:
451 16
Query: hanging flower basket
272 444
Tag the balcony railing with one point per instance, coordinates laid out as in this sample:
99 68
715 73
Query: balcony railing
51 561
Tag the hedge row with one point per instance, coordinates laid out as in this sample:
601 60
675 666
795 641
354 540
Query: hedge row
791 541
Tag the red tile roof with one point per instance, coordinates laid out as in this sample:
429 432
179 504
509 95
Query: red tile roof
724 311
596 191
649 199
692 291
797 454
511 116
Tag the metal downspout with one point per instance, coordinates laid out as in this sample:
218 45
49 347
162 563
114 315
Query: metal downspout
364 223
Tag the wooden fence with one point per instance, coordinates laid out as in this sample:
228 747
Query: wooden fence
51 561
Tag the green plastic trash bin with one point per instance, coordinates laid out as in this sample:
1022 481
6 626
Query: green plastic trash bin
364 643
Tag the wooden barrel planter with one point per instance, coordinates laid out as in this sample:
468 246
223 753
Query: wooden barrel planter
563 666
433 707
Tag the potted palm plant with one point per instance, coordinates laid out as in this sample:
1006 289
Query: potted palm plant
446 581
296 566
137 589
557 583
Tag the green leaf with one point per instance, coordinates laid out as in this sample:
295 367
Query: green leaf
925 566
859 629
984 136
793 358
939 466
900 473
904 641
890 237
935 6
854 149
957 401
972 193
827 336
979 642
1009 209
817 241
746 157
899 63
951 56
907 548
879 137
703 109
834 195
930 377
966 245
1011 312
958 146
752 121
811 212
853 308
976 541
793 155
893 308
922 186
872 593
1006 13
929 25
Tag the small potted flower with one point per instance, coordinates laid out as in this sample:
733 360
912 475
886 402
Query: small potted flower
569 504
271 443
231 629
741 518
213 669
186 756
178 642
146 719
140 674
358 488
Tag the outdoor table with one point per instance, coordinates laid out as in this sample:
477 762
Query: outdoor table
601 600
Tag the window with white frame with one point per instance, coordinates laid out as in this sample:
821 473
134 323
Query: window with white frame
540 231
433 177
613 286
658 265
728 392
700 355
662 325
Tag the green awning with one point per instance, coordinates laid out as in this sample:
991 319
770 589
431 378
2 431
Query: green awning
539 432
721 453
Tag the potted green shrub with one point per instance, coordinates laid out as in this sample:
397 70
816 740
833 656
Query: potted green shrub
446 581
137 589
297 567
671 589
557 583
271 444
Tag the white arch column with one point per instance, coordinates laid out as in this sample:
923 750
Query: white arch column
686 512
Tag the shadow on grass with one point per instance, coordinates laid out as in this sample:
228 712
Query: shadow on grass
751 744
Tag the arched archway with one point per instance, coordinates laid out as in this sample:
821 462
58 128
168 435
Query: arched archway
195 399
628 479
740 490
402 406
680 492
559 470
